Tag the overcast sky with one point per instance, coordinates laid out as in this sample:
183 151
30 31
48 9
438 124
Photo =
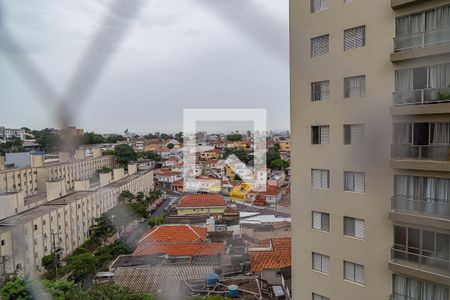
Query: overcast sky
172 54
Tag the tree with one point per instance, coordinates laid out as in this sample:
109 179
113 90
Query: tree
242 154
272 155
140 196
165 136
47 140
170 145
126 196
234 137
81 265
13 144
156 221
279 164
151 155
93 138
114 138
179 137
102 229
114 292
48 262
64 290
125 154
138 209
15 289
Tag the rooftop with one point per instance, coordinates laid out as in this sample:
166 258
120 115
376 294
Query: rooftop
202 200
178 240
277 258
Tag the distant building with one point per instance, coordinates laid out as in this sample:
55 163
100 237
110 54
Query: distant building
201 204
8 133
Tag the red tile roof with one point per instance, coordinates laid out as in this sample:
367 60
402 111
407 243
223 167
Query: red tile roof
178 240
175 234
202 200
278 258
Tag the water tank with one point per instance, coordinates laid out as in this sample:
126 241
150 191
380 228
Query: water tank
212 279
233 290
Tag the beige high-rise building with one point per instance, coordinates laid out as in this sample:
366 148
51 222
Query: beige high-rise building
370 120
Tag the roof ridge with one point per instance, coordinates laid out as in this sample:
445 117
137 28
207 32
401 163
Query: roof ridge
195 232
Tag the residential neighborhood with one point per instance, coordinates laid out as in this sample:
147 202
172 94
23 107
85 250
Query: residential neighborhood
210 233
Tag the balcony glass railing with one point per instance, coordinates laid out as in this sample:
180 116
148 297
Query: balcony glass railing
422 97
422 206
422 39
425 152
427 262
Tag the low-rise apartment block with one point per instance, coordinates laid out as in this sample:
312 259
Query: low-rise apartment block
60 220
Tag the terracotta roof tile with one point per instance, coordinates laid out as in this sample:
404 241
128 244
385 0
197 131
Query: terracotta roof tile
178 240
202 200
279 257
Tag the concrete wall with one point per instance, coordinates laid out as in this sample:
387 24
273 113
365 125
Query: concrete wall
2 163
9 203
81 185
65 157
55 189
118 173
105 179
80 154
132 168
373 110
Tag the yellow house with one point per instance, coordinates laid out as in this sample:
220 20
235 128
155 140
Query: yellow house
210 154
241 192
201 204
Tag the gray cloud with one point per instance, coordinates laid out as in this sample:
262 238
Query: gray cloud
175 54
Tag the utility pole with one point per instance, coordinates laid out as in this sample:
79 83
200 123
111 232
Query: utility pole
55 256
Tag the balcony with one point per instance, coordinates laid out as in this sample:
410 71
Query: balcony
422 44
421 206
421 152
395 4
426 262
422 39
422 97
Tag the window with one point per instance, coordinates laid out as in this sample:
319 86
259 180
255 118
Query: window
320 179
354 227
411 288
321 221
320 90
320 135
3 243
354 182
430 247
318 5
355 86
320 45
354 134
353 272
321 263
354 38
319 297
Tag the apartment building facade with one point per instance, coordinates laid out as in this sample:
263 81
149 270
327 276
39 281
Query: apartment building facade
32 179
370 117
62 223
